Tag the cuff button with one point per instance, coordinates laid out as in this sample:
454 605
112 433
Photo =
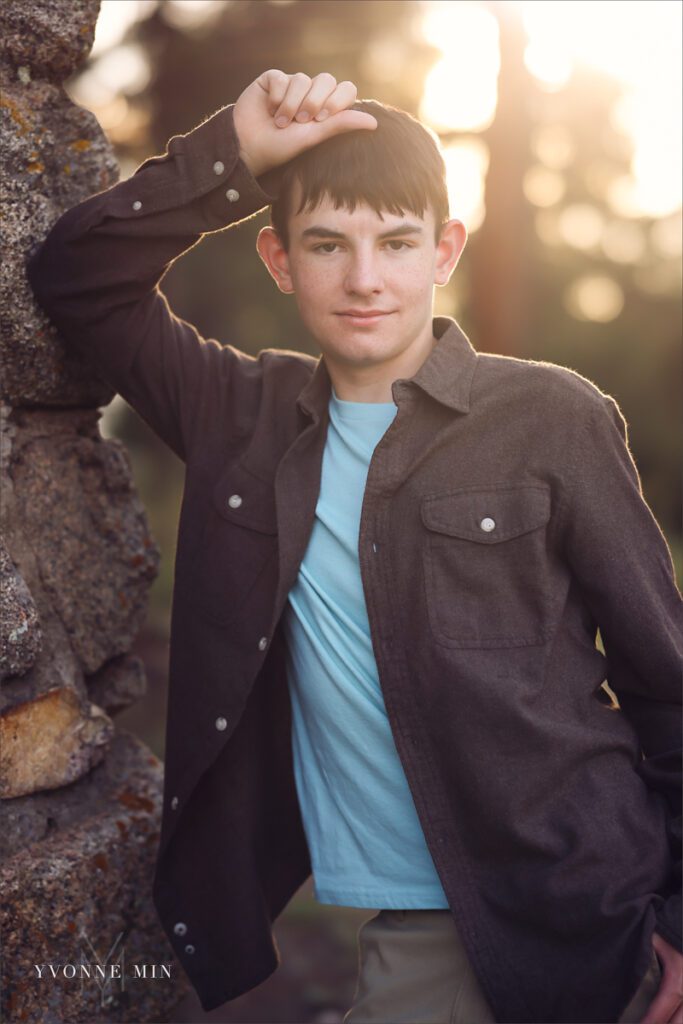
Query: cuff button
218 167
232 195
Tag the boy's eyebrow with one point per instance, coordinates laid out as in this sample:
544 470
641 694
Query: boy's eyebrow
320 231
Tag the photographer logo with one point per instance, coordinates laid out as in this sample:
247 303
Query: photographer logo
107 972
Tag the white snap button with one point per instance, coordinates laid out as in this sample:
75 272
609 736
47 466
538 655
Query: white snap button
235 500
137 205
180 928
174 803
221 723
263 643
189 948
218 167
488 524
232 194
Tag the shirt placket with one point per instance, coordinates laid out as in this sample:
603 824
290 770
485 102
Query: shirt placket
389 467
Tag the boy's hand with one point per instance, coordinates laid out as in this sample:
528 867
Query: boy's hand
280 115
667 1006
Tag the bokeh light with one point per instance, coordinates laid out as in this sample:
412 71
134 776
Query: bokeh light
460 90
635 43
466 166
638 45
594 297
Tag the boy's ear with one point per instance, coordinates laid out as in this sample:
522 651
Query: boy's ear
450 246
273 253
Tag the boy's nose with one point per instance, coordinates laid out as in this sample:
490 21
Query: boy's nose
363 276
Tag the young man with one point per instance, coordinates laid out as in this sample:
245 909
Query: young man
391 565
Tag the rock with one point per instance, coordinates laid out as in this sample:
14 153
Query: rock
78 830
79 558
76 881
20 633
118 684
54 155
75 499
50 741
49 38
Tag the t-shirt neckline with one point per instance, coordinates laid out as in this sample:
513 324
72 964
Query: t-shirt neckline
361 410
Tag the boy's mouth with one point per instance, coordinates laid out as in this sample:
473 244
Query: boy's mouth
364 317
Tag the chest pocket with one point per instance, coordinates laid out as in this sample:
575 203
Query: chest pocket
485 562
233 571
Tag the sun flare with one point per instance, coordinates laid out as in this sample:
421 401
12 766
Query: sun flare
636 43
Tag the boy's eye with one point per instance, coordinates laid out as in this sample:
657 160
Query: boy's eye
395 244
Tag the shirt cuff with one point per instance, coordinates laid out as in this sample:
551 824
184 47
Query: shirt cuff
204 164
230 190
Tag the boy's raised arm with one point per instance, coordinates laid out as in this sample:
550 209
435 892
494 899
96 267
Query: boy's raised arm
97 273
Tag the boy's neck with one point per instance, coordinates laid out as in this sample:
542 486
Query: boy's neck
373 383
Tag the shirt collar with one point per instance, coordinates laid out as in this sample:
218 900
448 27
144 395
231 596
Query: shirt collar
445 375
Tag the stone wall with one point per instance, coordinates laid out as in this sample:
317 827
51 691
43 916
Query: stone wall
80 809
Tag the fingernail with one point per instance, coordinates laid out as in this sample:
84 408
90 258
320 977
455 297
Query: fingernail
322 115
303 115
281 121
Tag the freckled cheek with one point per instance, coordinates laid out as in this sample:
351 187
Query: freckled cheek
414 280
316 289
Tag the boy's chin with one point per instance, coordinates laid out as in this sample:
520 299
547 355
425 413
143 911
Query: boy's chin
359 357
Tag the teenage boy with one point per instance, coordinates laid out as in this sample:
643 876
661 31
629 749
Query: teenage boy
391 565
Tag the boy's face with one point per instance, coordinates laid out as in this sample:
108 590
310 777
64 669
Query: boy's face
364 284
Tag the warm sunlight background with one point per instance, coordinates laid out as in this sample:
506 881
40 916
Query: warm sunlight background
635 43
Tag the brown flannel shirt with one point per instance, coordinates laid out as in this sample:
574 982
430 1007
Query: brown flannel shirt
553 818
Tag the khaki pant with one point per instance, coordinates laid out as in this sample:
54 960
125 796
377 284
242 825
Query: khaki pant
413 969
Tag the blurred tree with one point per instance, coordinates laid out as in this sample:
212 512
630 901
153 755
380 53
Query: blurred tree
501 258
552 248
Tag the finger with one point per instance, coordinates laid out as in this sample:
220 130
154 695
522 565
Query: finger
343 96
344 121
297 89
274 83
322 88
662 1008
678 1016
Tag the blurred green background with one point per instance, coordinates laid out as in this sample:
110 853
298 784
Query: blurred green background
561 129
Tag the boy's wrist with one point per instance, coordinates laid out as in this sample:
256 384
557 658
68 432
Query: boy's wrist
216 174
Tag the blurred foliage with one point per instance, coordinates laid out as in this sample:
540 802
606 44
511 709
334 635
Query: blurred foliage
508 292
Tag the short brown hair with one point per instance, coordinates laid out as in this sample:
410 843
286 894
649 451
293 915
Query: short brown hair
396 167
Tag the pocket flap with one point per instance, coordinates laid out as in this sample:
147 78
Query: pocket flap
488 515
245 500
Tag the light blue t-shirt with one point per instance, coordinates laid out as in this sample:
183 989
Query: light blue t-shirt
367 845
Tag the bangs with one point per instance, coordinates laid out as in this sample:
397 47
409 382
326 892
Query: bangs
394 169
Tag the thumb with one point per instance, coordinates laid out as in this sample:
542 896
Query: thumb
344 121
